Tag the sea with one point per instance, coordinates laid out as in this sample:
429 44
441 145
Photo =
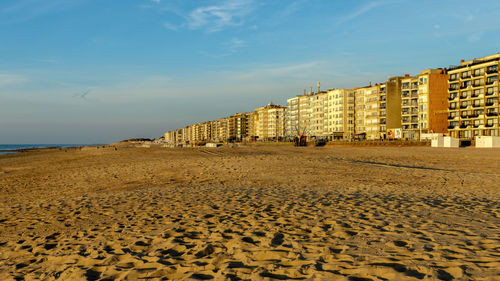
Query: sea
13 148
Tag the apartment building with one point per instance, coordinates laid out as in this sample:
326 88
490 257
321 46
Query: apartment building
390 103
432 100
409 107
317 113
424 103
238 127
305 114
268 122
473 98
339 114
292 117
377 109
253 118
372 116
220 129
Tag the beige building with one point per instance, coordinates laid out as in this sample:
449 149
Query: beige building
305 114
473 98
238 127
424 103
359 113
292 117
220 129
339 114
317 117
409 107
268 122
372 122
378 109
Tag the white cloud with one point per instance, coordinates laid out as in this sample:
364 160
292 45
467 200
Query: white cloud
210 18
215 18
171 26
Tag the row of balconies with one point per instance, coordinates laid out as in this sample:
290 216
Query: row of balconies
493 69
466 96
471 126
464 106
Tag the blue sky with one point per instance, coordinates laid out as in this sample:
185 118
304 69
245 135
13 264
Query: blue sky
84 71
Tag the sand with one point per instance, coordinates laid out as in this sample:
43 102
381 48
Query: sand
250 213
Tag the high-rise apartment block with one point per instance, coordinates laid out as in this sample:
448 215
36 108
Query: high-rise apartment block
268 122
339 114
424 104
473 98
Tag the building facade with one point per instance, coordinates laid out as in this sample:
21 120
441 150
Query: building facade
339 114
268 122
473 98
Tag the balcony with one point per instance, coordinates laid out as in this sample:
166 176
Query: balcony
452 89
463 126
492 70
464 106
453 79
451 117
465 86
450 108
489 125
491 82
475 85
452 98
492 114
477 74
477 105
475 125
466 76
451 127
490 103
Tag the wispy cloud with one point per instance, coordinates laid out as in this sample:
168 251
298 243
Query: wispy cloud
210 18
12 79
47 61
25 10
228 48
215 18
275 71
363 9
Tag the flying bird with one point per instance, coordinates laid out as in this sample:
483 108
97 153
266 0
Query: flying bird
83 95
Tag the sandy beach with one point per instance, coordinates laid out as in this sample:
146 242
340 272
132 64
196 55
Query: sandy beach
250 213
